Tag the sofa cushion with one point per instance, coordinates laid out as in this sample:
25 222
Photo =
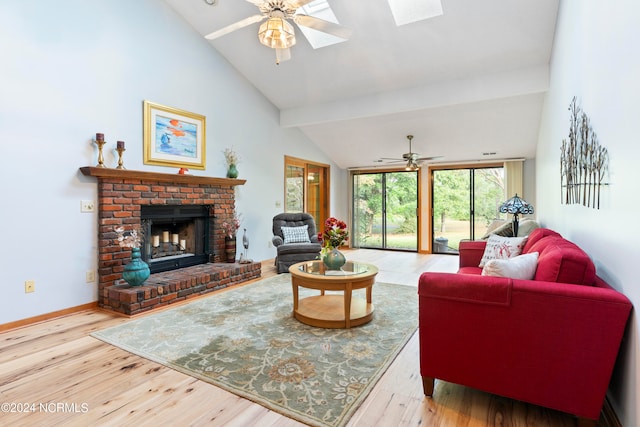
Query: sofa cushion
535 236
296 234
499 247
562 261
519 267
526 227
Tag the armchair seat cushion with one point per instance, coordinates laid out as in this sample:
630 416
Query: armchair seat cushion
297 248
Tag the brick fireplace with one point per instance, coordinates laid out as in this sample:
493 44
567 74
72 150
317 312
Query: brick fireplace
121 195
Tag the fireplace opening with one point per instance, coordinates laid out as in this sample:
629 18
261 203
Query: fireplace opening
175 236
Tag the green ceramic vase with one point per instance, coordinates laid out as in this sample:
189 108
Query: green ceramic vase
232 172
334 259
137 271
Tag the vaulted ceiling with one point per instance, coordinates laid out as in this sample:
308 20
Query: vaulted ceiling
468 82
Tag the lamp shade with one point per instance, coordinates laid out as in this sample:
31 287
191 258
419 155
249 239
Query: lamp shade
516 205
277 33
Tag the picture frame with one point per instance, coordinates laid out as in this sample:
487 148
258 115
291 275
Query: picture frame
173 137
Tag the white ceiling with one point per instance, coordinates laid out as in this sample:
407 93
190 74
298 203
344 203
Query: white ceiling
467 82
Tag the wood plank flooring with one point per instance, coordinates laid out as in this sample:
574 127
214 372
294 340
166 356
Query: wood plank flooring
54 373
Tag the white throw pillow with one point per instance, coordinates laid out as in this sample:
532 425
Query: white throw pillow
499 247
296 234
519 267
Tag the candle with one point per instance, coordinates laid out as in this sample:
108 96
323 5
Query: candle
165 237
99 136
156 241
174 239
183 244
120 145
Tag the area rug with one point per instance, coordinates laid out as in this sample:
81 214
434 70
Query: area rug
247 342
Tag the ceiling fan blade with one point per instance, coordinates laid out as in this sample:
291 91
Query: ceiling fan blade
322 25
295 4
230 28
428 158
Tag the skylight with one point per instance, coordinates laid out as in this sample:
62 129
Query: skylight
408 11
319 9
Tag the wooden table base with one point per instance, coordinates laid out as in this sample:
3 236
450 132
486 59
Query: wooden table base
328 311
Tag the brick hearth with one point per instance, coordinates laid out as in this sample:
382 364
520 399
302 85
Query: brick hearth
121 193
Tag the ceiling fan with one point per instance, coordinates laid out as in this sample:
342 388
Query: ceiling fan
413 159
277 33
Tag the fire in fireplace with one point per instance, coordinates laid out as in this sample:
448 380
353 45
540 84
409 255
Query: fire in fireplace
175 236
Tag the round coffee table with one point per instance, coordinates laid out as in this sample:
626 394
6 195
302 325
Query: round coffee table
333 310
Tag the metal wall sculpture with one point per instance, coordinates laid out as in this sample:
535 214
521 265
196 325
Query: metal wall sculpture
584 163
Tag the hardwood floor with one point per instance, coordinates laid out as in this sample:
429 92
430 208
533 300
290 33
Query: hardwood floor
54 373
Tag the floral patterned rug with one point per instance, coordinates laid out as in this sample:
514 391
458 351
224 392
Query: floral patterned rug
247 342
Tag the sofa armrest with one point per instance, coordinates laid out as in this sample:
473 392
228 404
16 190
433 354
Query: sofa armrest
471 252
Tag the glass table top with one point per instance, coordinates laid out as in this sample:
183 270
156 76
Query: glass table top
317 267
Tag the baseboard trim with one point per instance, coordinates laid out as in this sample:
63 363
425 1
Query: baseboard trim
608 417
47 316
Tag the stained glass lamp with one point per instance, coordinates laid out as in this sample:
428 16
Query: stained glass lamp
516 206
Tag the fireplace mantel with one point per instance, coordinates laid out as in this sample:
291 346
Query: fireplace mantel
158 176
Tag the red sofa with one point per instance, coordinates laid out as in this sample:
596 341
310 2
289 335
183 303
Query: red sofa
551 341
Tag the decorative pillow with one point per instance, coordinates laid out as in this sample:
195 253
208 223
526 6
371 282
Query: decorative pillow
519 267
499 247
296 234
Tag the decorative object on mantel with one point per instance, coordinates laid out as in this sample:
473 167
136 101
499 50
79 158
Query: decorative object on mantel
334 235
120 149
173 137
100 143
183 171
584 163
232 159
516 206
136 271
230 230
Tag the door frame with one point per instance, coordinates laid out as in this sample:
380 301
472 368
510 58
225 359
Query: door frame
325 186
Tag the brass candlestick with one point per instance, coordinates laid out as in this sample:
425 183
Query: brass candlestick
120 150
100 143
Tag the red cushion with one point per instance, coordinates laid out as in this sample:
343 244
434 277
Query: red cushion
562 261
535 236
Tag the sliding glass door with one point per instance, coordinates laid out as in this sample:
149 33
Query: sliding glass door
465 203
385 210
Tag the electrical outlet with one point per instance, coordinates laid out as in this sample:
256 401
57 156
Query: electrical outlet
91 276
29 286
87 206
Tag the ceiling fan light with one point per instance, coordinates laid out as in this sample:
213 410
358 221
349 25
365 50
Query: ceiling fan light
277 33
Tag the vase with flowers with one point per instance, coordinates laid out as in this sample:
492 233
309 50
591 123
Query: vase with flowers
334 235
136 271
232 160
230 229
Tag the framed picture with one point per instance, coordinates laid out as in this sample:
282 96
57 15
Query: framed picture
173 137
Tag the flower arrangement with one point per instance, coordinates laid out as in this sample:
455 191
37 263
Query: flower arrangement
334 235
128 239
231 227
231 157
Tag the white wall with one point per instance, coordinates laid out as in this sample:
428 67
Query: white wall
76 67
595 58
